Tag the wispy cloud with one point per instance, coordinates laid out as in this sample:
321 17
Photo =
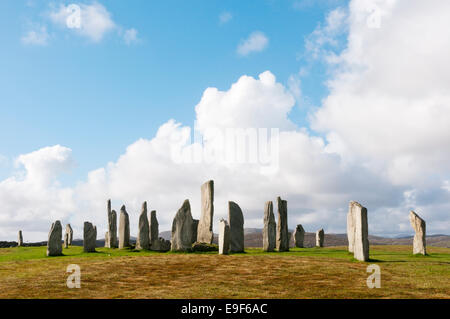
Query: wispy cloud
37 36
256 42
130 36
225 17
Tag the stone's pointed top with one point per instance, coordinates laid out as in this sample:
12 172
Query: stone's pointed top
123 209
186 204
414 214
353 203
144 207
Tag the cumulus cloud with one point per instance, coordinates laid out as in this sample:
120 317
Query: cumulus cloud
225 17
37 36
256 42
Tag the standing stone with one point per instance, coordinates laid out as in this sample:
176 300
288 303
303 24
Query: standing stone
205 227
299 236
54 243
66 240
358 231
69 232
270 228
282 226
111 234
236 219
194 230
182 229
419 244
89 237
20 239
320 236
156 243
124 229
224 237
143 238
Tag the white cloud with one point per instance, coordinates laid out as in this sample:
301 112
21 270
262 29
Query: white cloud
131 36
256 42
225 17
38 36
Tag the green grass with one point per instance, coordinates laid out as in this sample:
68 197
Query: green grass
331 272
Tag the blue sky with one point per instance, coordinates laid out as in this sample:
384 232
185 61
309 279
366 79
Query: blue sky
100 97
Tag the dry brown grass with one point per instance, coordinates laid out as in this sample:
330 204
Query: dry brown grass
236 276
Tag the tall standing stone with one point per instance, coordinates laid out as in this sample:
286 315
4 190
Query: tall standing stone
299 236
20 239
358 231
69 232
320 236
66 240
143 238
205 226
124 228
236 219
54 243
270 228
182 228
156 243
224 237
111 234
282 242
194 230
419 225
89 237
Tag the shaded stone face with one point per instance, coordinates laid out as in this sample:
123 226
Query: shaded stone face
111 234
419 226
282 242
124 229
143 238
89 237
154 227
205 226
182 229
54 243
20 239
320 236
224 237
236 219
299 236
66 240
194 230
270 228
358 231
69 233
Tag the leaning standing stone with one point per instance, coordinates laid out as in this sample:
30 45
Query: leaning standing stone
89 237
54 243
282 226
320 235
20 239
124 228
143 238
358 231
270 228
299 236
419 244
224 237
236 219
182 229
69 233
205 227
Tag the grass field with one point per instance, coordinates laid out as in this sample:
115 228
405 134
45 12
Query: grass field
330 272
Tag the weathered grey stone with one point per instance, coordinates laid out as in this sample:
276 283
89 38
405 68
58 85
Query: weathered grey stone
153 228
66 240
161 244
205 227
419 225
236 219
182 229
299 236
124 229
270 228
54 243
89 237
320 236
358 231
195 230
224 237
111 234
20 239
69 232
143 238
282 226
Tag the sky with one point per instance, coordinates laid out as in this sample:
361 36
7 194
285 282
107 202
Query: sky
95 108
